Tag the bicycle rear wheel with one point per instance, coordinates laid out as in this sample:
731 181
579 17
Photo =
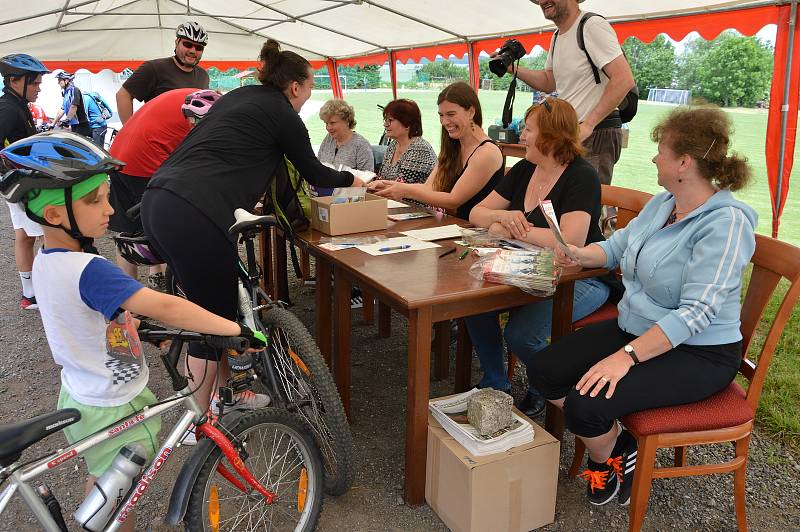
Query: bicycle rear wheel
307 383
281 454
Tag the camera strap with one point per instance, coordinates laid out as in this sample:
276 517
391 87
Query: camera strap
508 107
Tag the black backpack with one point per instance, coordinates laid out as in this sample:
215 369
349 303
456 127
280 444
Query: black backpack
630 103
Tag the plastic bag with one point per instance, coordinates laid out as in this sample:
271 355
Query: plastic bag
532 271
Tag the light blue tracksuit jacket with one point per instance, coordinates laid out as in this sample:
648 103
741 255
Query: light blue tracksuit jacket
687 277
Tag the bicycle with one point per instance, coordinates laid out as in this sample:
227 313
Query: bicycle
260 466
291 370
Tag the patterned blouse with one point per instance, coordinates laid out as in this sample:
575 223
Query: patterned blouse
413 166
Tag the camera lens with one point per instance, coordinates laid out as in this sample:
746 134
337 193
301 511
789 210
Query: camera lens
499 65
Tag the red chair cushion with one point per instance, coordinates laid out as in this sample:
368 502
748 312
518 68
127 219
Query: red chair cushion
727 408
606 312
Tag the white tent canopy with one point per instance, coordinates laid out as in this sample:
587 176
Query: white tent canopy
133 30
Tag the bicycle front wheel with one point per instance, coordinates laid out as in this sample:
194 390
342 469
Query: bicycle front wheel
307 384
277 449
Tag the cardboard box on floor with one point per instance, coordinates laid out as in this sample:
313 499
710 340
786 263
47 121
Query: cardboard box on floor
344 218
510 491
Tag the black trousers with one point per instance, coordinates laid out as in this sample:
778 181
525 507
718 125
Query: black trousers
201 256
684 374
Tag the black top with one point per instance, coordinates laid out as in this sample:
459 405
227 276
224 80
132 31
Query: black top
229 158
465 208
16 121
578 189
157 76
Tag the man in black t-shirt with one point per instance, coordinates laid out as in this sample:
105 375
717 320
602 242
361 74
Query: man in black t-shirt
161 75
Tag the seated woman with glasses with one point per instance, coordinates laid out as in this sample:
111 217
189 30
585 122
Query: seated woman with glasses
409 158
554 170
342 145
469 163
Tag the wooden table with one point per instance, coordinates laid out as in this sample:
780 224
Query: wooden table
425 289
511 150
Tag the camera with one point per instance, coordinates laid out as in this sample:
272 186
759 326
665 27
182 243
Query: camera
511 51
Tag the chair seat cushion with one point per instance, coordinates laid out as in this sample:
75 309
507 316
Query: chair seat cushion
727 408
606 312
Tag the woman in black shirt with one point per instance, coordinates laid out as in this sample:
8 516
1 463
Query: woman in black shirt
554 170
225 163
469 164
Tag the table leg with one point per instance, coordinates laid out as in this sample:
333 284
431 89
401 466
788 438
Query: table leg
341 336
419 342
323 296
463 359
368 312
384 320
305 264
281 272
562 325
441 354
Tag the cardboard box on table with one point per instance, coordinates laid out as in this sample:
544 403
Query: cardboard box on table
344 218
509 491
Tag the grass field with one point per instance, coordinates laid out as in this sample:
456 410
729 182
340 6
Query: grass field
779 412
634 170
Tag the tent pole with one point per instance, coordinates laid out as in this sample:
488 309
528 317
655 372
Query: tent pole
785 112
474 72
393 73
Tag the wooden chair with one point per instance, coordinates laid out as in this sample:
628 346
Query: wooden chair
727 416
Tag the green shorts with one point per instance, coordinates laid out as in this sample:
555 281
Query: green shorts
95 418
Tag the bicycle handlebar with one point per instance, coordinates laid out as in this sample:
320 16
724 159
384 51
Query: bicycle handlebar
236 343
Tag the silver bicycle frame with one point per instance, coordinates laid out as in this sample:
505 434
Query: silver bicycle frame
19 479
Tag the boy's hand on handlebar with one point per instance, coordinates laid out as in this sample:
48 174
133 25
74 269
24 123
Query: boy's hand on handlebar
256 339
145 327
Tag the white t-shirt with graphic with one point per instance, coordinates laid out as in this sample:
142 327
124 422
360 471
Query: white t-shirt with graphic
78 294
572 72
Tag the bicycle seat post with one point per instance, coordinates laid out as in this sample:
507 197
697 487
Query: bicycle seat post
247 236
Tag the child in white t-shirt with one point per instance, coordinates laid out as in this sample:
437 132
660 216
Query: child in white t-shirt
86 300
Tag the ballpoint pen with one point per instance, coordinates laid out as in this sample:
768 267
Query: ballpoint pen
446 253
463 254
393 248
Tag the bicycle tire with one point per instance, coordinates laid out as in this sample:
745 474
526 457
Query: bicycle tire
307 383
276 441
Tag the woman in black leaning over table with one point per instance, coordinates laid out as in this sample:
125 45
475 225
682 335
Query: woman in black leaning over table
225 163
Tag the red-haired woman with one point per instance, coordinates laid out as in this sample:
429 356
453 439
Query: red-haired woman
469 163
409 158
554 170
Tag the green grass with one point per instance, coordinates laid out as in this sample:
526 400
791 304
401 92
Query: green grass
779 411
634 170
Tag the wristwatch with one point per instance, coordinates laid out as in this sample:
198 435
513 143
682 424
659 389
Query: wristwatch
629 349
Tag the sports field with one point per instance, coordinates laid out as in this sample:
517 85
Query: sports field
635 169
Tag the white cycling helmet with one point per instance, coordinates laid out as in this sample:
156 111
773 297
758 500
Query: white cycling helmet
192 31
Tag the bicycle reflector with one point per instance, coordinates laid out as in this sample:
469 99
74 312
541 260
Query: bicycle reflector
302 490
213 509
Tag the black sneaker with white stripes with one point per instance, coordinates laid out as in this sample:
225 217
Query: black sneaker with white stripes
602 480
625 449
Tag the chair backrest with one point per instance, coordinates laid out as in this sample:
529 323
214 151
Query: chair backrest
627 201
772 261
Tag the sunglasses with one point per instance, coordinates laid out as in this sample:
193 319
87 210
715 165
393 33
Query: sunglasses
189 45
546 105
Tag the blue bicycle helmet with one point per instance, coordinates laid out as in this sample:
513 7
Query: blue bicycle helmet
21 64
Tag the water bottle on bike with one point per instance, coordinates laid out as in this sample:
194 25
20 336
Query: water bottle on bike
112 486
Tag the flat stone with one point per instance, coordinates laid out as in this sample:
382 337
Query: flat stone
489 410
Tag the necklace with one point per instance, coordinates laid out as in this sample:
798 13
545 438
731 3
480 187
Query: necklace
673 217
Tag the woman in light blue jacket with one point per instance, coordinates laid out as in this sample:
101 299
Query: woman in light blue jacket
677 337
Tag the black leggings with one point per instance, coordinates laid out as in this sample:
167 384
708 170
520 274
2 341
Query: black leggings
684 374
199 254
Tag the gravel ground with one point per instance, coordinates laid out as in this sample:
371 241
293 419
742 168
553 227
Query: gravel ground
29 383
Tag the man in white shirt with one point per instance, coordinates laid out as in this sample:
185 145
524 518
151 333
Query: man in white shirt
568 72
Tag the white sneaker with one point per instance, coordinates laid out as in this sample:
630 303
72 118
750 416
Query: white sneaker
247 400
190 438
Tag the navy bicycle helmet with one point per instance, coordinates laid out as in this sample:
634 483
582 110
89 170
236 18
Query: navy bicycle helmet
55 159
21 64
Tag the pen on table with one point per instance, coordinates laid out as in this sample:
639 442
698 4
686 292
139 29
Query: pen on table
393 248
463 254
446 253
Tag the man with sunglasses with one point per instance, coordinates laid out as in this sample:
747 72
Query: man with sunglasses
157 76
568 72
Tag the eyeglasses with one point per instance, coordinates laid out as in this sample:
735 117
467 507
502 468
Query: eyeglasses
546 105
388 120
189 45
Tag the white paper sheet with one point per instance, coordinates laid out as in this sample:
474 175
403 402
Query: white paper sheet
392 204
396 245
435 233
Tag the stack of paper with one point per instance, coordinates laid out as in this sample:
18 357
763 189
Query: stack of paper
435 233
532 271
451 413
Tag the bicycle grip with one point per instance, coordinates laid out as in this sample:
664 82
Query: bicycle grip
237 343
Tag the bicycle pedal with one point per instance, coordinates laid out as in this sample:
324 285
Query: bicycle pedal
226 396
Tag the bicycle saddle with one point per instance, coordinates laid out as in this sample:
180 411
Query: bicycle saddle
16 437
244 220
